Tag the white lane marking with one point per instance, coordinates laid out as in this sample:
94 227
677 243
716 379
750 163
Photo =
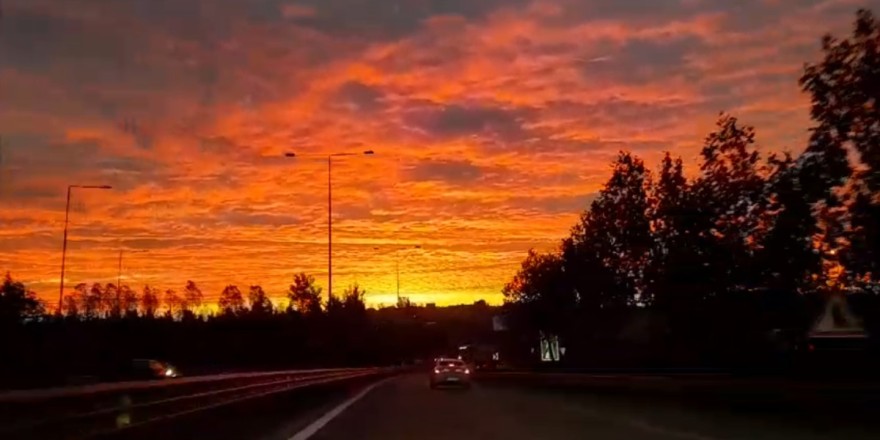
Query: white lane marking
315 426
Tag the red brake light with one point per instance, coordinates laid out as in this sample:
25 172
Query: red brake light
467 371
437 370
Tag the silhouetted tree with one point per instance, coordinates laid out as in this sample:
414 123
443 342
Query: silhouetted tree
71 304
304 295
192 297
17 303
616 233
729 197
109 304
675 260
787 256
863 255
231 302
540 288
403 302
259 302
128 299
353 299
91 300
334 305
149 302
669 216
844 94
174 304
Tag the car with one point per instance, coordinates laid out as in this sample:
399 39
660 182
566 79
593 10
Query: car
153 369
450 372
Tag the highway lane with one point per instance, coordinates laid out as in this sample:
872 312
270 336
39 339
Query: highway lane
405 408
277 416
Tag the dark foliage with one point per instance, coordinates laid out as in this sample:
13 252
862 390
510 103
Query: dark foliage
711 271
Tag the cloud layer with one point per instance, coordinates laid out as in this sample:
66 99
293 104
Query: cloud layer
493 122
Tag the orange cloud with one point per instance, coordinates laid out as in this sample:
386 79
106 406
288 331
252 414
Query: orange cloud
493 123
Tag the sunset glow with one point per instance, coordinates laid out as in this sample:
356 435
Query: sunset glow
493 123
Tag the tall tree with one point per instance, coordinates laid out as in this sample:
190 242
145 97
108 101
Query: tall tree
109 303
259 302
192 297
353 299
304 295
72 305
128 299
540 294
728 197
863 255
17 303
91 300
675 263
149 301
787 256
174 304
844 93
832 241
616 231
231 302
668 215
334 306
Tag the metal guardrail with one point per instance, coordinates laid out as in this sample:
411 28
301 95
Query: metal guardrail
88 411
79 390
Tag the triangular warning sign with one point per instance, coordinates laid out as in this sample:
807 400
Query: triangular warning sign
837 321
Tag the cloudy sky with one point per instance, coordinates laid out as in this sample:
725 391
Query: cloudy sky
493 123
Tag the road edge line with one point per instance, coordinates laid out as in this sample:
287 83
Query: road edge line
322 421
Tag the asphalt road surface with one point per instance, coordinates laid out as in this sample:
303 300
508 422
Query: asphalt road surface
404 407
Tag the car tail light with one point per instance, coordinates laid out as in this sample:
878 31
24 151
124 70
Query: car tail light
436 371
467 371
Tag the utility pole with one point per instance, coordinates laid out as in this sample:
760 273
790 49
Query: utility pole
330 211
64 245
329 228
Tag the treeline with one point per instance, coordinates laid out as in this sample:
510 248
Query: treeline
107 301
669 269
100 301
97 335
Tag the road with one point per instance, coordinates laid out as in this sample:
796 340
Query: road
404 407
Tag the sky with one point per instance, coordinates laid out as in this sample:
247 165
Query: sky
493 122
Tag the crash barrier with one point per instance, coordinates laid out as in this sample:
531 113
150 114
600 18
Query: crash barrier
98 409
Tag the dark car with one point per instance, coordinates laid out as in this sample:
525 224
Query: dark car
450 372
153 369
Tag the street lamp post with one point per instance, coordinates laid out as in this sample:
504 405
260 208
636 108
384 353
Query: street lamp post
64 244
330 211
